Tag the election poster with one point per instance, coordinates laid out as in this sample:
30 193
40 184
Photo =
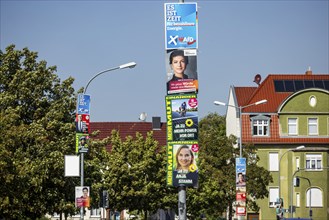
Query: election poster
182 117
82 196
81 143
181 25
83 104
182 75
182 164
240 165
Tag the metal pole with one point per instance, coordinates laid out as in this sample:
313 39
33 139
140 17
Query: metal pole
182 192
182 202
82 183
240 125
240 141
280 172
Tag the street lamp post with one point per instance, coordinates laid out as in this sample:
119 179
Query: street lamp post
123 66
239 108
297 148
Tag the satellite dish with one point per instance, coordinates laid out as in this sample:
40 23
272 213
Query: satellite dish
142 116
257 79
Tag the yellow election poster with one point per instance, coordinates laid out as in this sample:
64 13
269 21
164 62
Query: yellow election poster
182 117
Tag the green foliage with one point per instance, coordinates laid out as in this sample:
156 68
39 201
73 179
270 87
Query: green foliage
36 115
217 172
136 175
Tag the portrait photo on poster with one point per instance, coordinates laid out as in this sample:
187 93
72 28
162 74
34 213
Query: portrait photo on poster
241 179
185 164
82 196
82 123
181 66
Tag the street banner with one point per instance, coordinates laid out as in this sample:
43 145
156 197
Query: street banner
181 25
182 117
82 196
182 75
83 104
182 164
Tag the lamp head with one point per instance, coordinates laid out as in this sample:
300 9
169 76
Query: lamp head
219 103
261 102
128 65
300 147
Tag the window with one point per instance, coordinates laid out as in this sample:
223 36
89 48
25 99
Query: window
297 199
273 196
273 161
313 161
95 212
297 163
315 195
312 126
292 126
260 125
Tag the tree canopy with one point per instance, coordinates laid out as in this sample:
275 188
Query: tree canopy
37 112
36 115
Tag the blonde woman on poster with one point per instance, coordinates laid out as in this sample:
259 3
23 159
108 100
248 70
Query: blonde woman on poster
186 172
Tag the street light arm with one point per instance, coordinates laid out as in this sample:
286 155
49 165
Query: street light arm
100 73
123 66
242 107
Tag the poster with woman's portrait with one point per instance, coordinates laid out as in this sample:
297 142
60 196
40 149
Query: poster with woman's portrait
181 66
182 169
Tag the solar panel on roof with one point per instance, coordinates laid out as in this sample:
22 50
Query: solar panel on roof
318 84
278 85
289 85
309 84
326 84
297 85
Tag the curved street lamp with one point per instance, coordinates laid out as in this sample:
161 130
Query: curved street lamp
239 108
297 148
123 66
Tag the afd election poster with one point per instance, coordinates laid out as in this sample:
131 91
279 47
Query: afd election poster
83 104
182 164
181 25
182 117
181 68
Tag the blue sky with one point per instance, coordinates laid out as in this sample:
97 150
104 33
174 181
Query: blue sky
237 40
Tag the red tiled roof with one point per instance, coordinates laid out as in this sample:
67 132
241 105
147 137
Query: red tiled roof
266 90
129 129
244 94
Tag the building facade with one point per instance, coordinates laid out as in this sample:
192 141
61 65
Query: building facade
291 133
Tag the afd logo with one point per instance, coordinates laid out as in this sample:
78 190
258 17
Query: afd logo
174 40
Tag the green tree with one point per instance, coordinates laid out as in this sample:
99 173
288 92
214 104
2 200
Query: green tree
37 130
216 192
136 175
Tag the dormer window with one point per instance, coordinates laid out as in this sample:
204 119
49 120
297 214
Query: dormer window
260 125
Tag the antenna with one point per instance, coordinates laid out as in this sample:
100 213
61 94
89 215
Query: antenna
257 79
142 116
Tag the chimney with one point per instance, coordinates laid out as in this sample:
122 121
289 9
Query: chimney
309 71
